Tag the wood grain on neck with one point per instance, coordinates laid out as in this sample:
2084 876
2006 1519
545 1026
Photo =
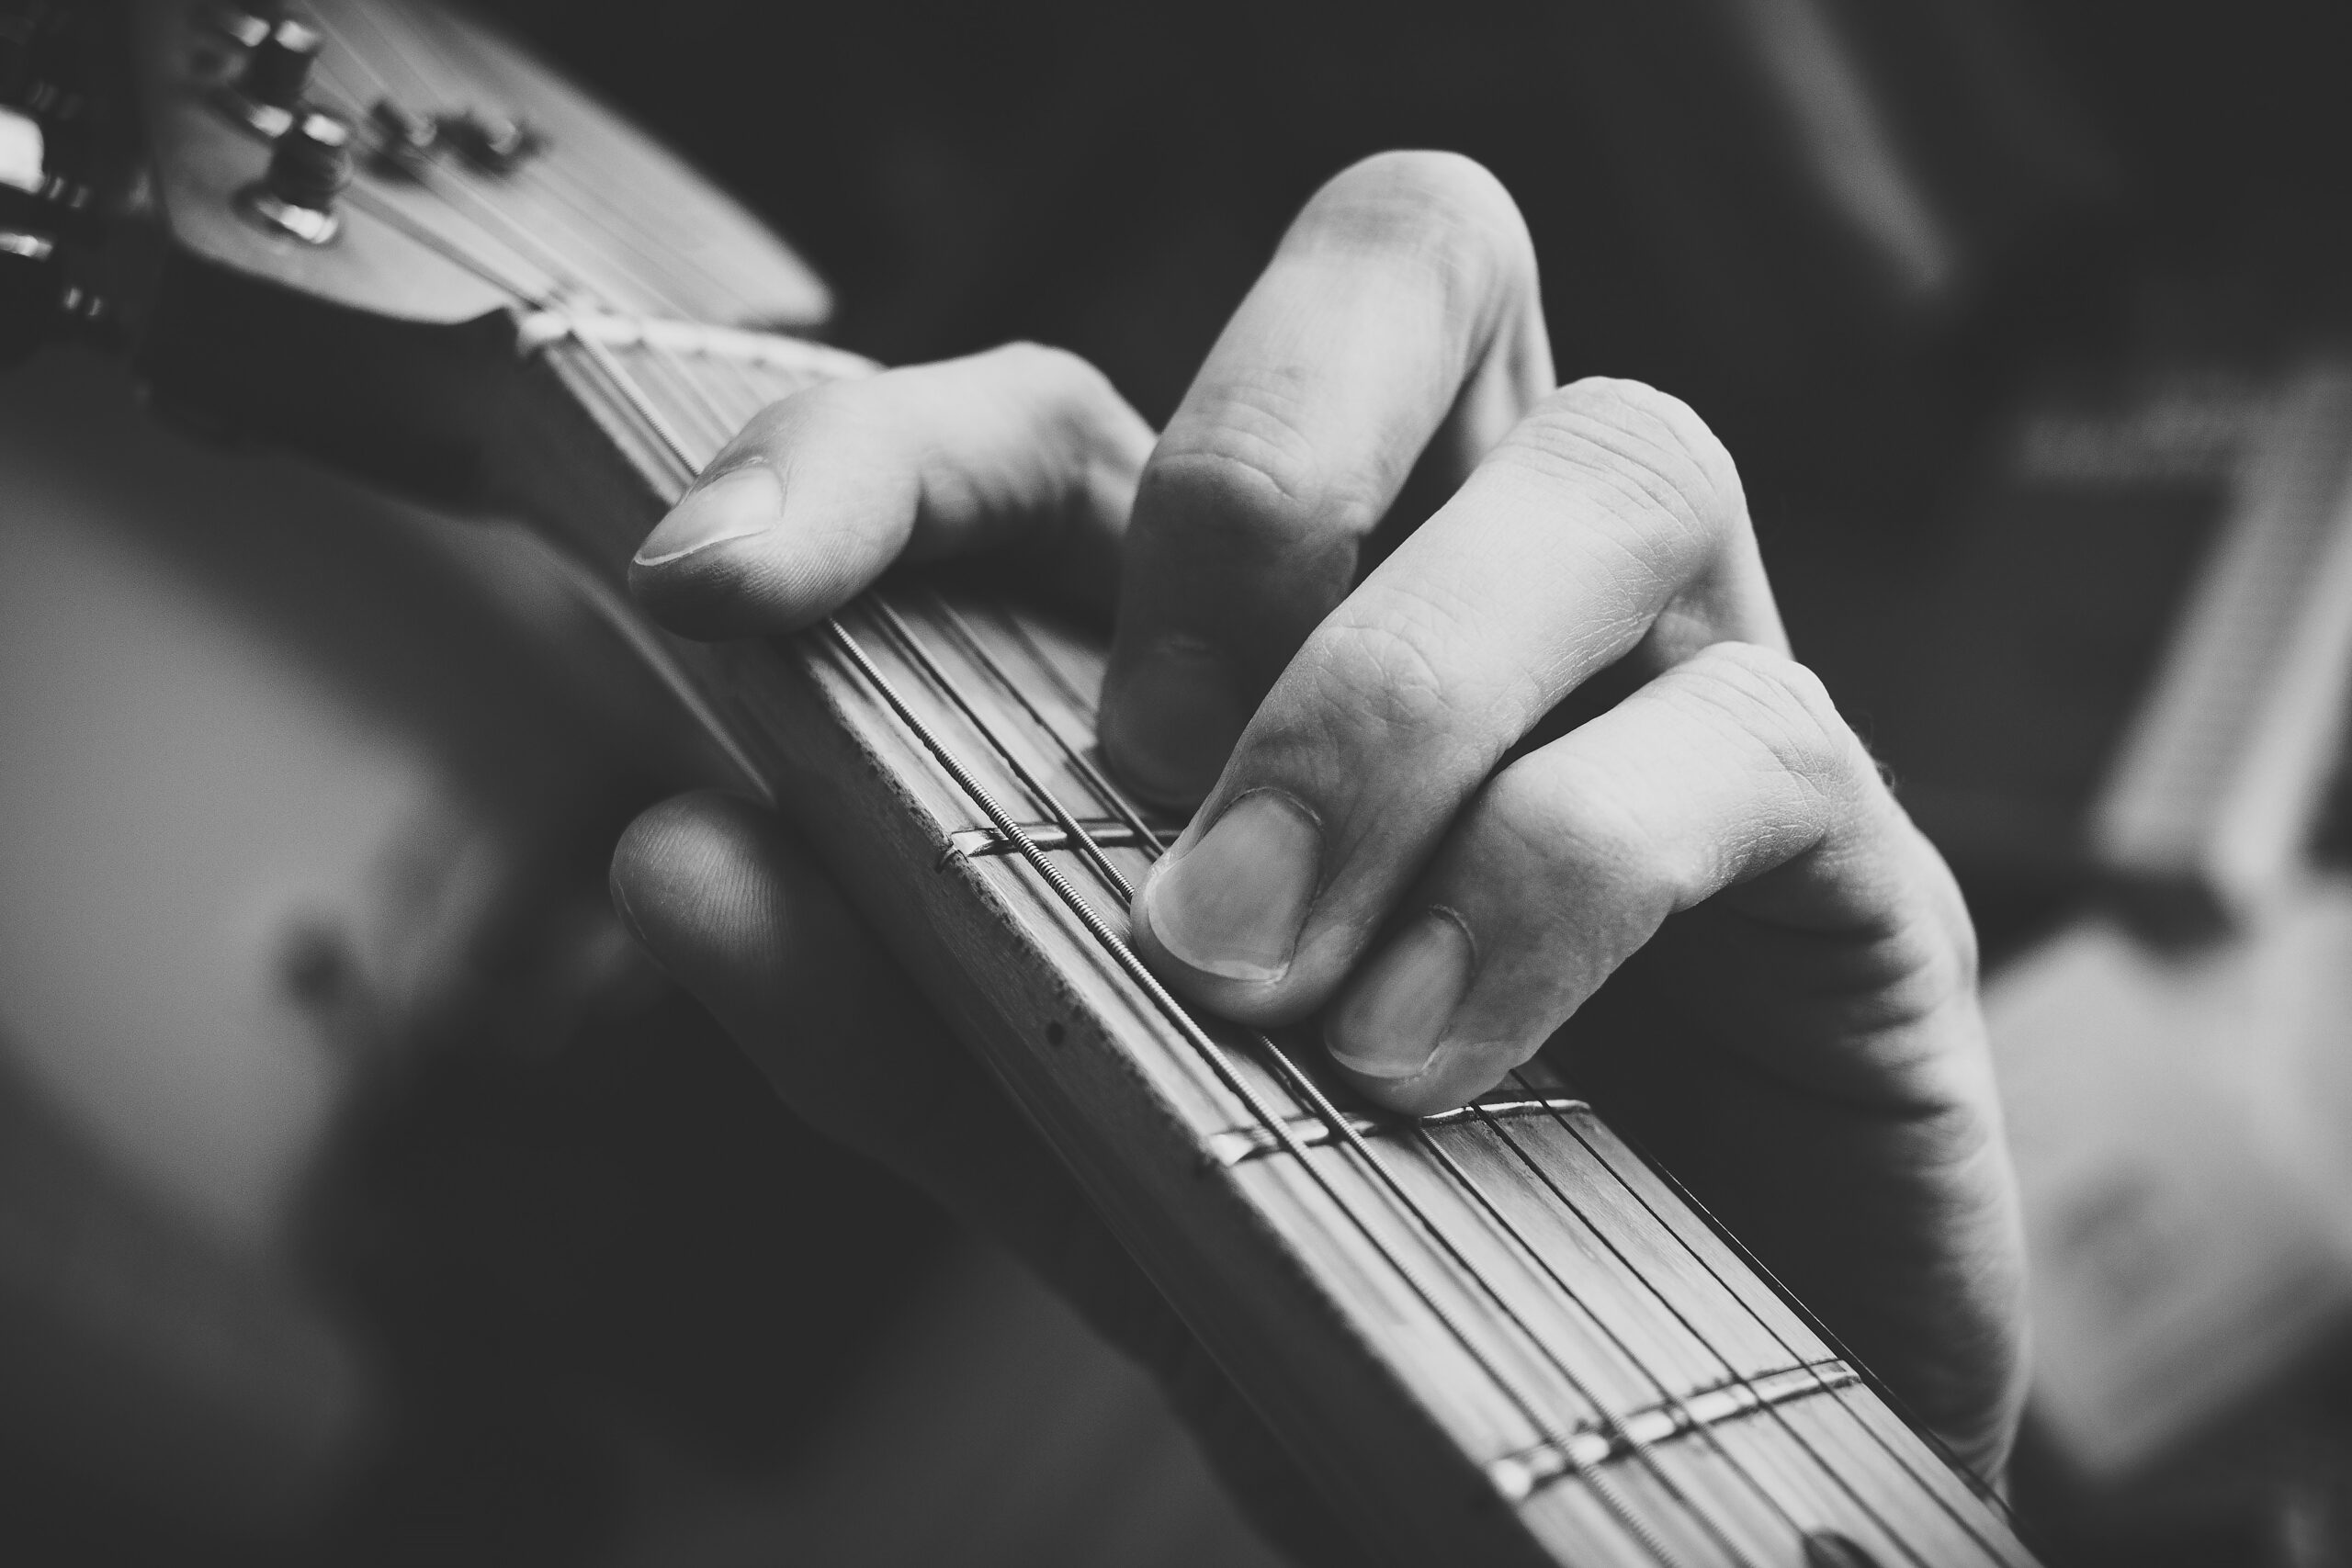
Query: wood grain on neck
1498 1337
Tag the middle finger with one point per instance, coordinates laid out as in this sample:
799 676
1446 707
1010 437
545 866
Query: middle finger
1610 522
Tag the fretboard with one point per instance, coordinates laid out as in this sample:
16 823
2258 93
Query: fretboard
1495 1335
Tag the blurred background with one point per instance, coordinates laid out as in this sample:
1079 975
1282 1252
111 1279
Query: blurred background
364 1197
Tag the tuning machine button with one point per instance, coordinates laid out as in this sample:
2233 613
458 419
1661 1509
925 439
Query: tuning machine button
405 140
266 97
494 143
309 167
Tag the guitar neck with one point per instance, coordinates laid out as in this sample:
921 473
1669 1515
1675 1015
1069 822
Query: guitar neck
1497 1336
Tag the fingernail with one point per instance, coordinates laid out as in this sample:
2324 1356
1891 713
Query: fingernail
1233 904
1174 724
737 504
1393 1016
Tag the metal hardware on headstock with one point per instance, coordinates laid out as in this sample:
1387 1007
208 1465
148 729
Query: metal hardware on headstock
49 111
268 91
266 94
495 143
309 164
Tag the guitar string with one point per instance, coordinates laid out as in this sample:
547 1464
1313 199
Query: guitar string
617 373
1668 1395
555 260
555 167
960 631
1602 1486
1116 882
1771 1408
428 35
725 423
1976 1486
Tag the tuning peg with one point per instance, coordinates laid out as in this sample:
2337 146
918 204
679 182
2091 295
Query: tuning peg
309 166
404 140
267 93
493 143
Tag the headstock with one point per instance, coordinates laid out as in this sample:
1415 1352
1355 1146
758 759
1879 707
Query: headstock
403 161
317 225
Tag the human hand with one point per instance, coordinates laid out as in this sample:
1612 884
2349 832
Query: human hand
1553 738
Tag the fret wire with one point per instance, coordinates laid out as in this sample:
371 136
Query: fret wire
1976 1486
1346 1131
1108 793
1730 1369
1078 837
1610 1422
1602 1487
960 627
1078 701
1520 1238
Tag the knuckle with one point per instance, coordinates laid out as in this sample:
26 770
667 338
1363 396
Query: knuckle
1384 671
1646 451
1056 371
1250 463
1442 209
1581 823
1771 699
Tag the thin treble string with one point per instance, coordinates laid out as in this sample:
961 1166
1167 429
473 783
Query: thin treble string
446 184
1115 798
554 169
1805 1313
1637 1445
1077 837
1771 1409
1673 1399
1604 1487
1920 1429
1109 795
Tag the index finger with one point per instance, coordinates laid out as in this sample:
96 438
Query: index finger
1398 322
